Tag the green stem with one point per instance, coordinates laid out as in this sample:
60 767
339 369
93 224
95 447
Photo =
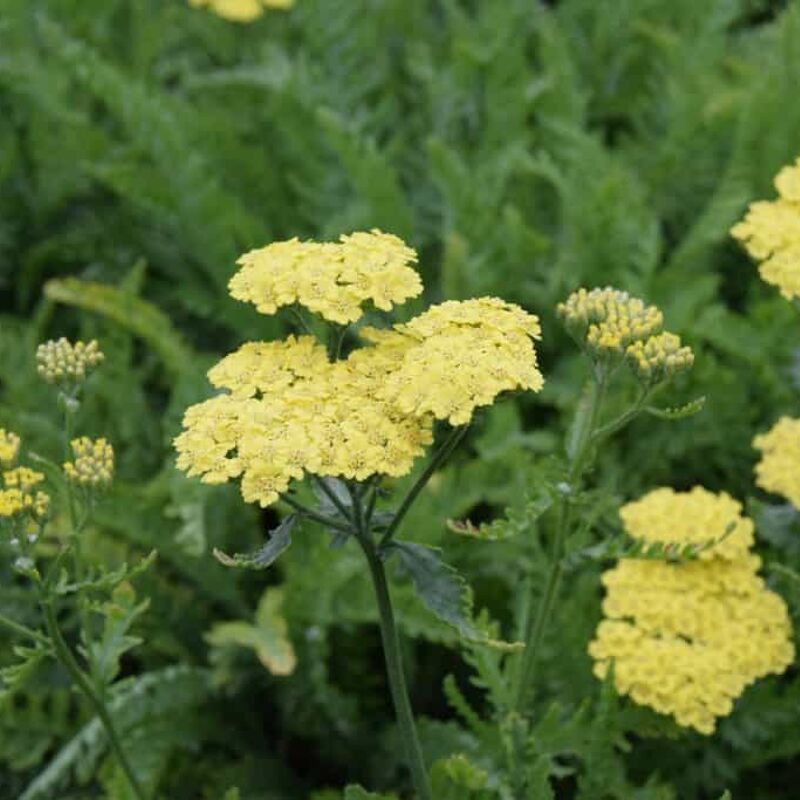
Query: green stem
441 455
394 669
537 625
23 630
623 419
76 673
323 520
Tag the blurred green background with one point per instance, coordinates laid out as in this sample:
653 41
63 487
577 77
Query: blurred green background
524 149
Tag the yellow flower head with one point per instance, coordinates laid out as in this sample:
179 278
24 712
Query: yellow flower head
694 517
458 356
779 468
22 478
93 463
658 357
63 362
241 10
290 412
9 447
608 320
332 279
770 232
687 638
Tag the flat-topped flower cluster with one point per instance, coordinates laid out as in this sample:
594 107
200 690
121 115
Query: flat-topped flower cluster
287 409
779 468
687 638
770 232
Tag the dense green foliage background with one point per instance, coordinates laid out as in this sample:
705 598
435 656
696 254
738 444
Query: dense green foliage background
524 150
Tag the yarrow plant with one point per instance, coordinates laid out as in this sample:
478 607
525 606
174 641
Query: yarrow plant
687 638
300 408
102 602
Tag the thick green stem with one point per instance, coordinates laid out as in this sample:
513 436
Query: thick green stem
76 673
394 669
537 625
441 455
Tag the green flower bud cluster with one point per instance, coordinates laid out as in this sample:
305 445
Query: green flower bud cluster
60 361
93 464
659 357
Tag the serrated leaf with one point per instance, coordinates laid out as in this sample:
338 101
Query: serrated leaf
268 637
279 540
680 412
440 587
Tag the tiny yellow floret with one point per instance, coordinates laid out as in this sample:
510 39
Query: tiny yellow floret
60 361
688 638
241 10
332 279
93 463
770 233
9 447
659 357
779 468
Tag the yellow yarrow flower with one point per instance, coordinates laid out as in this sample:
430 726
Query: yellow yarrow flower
332 279
22 478
60 361
687 638
296 413
9 447
241 10
779 468
694 517
93 462
770 233
458 356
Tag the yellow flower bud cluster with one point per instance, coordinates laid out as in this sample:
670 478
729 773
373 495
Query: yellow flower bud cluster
779 468
687 638
331 279
19 495
612 324
240 10
770 232
9 447
93 463
608 320
659 357
60 361
288 411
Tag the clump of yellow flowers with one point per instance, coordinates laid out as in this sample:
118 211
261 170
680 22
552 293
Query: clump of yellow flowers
19 497
288 410
60 361
9 447
687 638
771 233
610 324
93 463
779 468
241 10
